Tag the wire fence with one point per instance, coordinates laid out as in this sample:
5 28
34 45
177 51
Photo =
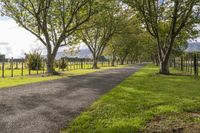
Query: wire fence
19 67
188 63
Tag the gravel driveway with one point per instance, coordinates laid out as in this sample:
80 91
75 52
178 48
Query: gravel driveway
48 107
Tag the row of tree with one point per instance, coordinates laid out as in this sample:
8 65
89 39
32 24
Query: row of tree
133 29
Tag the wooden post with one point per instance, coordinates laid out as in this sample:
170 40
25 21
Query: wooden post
195 67
12 67
174 62
191 64
22 69
43 65
63 64
37 67
29 69
81 63
182 63
67 63
3 68
70 63
16 64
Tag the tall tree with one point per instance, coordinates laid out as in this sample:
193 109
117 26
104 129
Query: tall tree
165 20
51 21
100 29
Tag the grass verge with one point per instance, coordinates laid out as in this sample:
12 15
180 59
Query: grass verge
138 100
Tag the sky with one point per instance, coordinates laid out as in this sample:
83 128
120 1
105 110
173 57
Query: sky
16 41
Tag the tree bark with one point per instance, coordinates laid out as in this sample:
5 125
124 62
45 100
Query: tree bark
113 61
94 66
164 67
50 62
122 62
156 60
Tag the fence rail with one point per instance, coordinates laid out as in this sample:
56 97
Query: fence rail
14 67
188 63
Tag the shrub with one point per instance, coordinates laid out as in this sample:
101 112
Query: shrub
34 60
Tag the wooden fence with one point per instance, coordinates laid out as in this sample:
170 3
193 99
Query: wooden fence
19 67
188 63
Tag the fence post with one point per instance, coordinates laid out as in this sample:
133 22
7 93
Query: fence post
181 63
29 69
12 67
37 66
43 64
191 64
81 63
22 69
174 62
17 65
63 64
3 68
195 67
67 63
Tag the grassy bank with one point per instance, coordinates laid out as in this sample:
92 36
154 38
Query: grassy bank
137 102
15 81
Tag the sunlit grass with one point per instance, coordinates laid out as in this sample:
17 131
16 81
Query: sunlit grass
137 100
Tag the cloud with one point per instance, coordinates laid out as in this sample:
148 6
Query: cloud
16 39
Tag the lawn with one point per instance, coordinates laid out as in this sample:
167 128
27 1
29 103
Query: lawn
146 101
19 80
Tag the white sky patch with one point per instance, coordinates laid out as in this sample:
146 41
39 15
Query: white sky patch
16 41
19 41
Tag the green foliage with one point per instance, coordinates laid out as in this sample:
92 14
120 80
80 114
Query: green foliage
170 22
51 21
132 43
107 21
34 60
133 103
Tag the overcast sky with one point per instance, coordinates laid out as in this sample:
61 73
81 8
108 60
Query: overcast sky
15 41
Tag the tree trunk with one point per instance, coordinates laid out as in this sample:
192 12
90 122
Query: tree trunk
95 61
164 67
131 61
113 61
156 61
122 62
50 62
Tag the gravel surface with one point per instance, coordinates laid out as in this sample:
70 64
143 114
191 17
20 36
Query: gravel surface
48 107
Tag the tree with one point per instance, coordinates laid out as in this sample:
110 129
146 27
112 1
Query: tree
165 20
51 21
129 43
101 28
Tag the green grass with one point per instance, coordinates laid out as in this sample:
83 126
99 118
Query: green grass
18 80
133 103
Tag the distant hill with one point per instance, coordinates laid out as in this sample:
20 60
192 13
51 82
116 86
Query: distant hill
83 53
